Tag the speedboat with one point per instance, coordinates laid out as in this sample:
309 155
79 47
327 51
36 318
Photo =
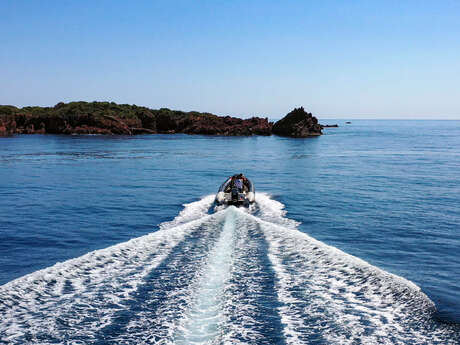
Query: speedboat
237 190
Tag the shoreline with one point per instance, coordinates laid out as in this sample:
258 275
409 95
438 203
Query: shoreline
123 119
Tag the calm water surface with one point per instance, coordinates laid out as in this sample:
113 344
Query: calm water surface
386 194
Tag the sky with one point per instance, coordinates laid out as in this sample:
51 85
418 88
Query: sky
338 59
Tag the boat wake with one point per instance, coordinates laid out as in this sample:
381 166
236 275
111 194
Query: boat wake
234 276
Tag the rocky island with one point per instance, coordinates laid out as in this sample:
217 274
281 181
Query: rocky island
124 119
298 123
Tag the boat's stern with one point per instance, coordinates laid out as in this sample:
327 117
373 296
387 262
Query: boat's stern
235 196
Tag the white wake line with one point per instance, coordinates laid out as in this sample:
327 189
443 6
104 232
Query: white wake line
95 254
337 253
201 323
191 211
275 233
43 289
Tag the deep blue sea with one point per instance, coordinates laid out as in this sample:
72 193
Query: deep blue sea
353 239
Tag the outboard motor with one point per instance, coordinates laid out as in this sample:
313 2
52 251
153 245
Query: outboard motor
235 195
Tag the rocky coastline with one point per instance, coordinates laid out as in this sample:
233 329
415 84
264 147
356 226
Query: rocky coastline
123 119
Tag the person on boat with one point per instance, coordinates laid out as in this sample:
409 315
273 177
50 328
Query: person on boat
235 182
238 183
231 184
245 182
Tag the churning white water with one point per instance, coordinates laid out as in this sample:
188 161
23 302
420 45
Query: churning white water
202 321
233 276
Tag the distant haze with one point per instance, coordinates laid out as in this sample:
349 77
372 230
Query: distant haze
338 59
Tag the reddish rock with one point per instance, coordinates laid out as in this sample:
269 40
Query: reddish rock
7 125
299 124
124 119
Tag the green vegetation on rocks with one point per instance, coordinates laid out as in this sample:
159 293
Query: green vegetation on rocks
125 119
112 118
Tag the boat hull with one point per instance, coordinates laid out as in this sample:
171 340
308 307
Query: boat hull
228 195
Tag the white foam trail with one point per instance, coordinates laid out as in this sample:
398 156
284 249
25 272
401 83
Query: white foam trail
273 211
341 299
203 320
90 289
191 211
166 295
250 299
234 277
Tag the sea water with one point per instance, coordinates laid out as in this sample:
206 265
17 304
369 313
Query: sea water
353 238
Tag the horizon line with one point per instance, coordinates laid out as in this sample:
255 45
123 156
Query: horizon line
327 117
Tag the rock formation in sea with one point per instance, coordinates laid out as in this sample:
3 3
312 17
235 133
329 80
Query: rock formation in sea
112 118
125 119
299 124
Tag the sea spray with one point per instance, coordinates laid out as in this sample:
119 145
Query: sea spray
234 276
334 297
202 321
87 292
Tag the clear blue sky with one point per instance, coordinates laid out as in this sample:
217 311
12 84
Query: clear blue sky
339 59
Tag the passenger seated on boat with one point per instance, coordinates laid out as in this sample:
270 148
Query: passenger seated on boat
245 183
238 183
